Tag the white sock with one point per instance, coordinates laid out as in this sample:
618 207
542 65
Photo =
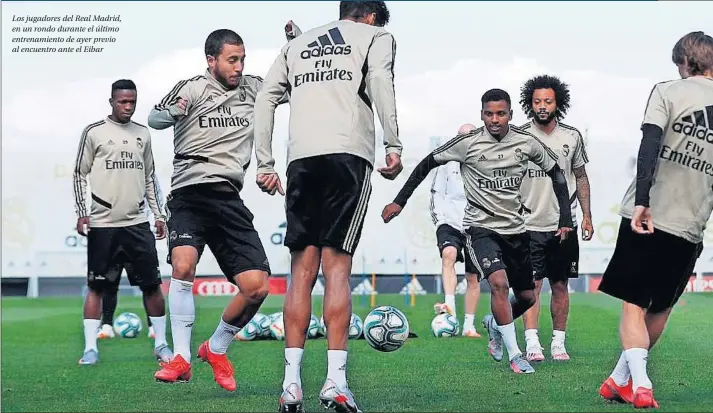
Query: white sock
337 367
183 314
159 330
531 337
636 358
222 337
451 303
510 339
91 329
469 322
558 337
621 373
293 365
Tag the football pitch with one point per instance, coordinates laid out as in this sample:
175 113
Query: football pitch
42 340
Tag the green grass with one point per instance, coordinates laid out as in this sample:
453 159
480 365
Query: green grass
42 340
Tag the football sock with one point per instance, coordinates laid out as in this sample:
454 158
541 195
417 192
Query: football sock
183 314
222 337
532 337
451 303
293 363
637 358
510 339
621 373
468 322
337 367
558 337
159 330
91 328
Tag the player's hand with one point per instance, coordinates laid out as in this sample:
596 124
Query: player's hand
160 229
563 233
270 183
291 30
83 226
390 212
393 166
641 221
179 109
587 229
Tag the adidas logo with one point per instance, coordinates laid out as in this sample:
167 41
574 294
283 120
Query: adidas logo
364 287
697 125
329 44
318 288
482 158
462 287
413 287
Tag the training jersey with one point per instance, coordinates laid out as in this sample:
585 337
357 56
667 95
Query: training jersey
213 142
542 211
681 197
492 172
448 196
336 75
118 160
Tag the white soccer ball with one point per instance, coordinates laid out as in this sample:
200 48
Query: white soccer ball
315 327
277 327
263 322
127 325
356 327
445 325
386 328
249 332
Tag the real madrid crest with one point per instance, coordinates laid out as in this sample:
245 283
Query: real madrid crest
241 94
565 149
139 143
518 154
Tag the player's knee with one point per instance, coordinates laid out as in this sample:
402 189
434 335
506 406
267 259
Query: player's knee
449 256
526 297
254 285
151 290
472 281
183 261
499 283
559 288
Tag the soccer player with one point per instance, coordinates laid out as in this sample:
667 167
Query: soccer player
447 209
664 213
116 155
212 119
545 100
110 296
337 75
494 159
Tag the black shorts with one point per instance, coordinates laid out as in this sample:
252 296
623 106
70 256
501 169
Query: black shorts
135 245
487 251
447 236
650 271
326 200
552 259
214 215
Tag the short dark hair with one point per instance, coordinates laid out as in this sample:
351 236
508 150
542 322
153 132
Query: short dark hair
122 84
696 50
545 82
495 95
216 40
360 9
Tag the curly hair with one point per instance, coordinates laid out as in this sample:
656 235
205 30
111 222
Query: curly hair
359 9
545 82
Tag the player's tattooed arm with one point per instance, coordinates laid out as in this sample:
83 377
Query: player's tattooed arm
583 196
646 162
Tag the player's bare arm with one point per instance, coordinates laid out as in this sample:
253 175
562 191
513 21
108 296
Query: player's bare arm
642 221
584 201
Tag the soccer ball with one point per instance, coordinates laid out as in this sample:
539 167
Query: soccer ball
250 331
386 328
445 325
127 325
277 327
315 327
356 326
263 322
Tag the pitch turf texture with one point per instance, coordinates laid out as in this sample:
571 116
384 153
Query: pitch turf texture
42 341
